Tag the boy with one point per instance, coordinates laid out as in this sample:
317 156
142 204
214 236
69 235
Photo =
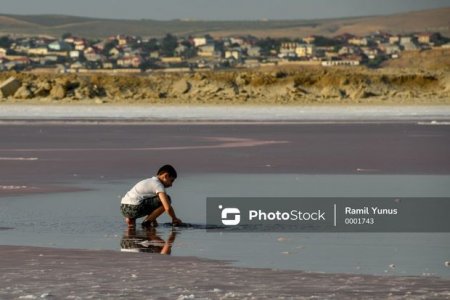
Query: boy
149 198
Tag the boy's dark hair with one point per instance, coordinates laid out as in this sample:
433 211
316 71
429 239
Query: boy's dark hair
168 169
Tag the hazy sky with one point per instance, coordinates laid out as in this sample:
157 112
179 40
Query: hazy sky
216 9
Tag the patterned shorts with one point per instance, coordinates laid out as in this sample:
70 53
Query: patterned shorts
138 211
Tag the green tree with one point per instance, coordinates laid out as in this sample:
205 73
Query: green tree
322 41
5 42
151 45
66 35
169 44
375 63
108 46
267 45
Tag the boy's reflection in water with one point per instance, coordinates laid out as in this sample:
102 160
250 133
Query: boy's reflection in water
146 240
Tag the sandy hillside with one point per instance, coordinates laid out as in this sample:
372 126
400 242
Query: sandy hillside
415 78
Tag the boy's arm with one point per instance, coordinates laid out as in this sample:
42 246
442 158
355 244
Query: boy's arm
168 207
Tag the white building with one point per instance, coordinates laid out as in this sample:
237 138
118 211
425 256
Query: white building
331 63
206 50
38 51
201 41
254 51
59 46
75 54
358 41
305 50
287 50
347 50
236 54
394 39
390 49
406 40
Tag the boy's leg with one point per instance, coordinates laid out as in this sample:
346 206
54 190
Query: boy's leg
155 210
151 218
130 222
129 212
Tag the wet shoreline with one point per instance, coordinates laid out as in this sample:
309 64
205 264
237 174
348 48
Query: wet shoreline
35 272
20 190
42 154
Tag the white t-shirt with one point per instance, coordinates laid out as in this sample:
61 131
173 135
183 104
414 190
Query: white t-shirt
147 188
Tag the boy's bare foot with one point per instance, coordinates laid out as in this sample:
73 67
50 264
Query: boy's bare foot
131 222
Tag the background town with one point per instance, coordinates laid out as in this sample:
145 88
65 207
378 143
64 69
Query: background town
124 53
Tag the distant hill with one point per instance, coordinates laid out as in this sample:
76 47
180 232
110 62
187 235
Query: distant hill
56 25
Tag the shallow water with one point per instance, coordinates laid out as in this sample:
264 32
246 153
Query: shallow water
91 219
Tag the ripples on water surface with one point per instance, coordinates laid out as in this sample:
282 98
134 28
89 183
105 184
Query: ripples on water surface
91 219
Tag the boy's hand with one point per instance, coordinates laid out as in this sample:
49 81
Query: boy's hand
176 221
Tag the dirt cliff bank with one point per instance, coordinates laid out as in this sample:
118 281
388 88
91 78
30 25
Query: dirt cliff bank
256 86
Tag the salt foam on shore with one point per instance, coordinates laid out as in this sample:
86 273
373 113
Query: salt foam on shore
13 187
221 113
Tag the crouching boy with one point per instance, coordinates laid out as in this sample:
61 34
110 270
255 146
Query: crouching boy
149 198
